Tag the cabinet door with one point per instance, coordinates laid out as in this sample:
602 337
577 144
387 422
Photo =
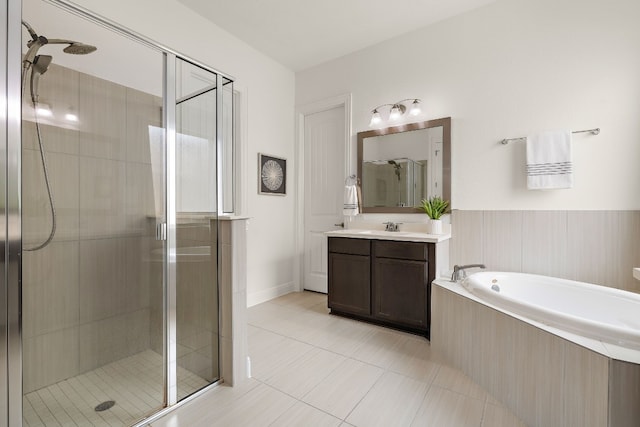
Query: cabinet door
349 283
400 291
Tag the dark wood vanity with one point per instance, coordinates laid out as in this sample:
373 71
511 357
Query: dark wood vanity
382 281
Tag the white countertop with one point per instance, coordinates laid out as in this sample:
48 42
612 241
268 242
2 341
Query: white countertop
405 236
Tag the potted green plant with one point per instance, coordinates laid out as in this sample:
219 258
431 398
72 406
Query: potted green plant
434 207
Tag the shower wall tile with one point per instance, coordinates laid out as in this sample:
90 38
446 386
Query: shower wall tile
103 286
50 358
139 197
50 289
103 124
143 110
137 281
113 338
194 233
99 277
55 139
502 240
102 198
63 178
59 89
466 239
544 243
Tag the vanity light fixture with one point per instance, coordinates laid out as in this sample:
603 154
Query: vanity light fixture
376 118
396 111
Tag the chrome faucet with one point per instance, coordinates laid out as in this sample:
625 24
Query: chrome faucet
392 226
460 273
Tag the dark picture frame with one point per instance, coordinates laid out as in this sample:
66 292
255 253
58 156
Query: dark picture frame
272 175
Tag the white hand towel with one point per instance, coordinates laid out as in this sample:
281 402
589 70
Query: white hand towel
549 164
350 201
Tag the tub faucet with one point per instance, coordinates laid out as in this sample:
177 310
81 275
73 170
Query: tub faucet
459 271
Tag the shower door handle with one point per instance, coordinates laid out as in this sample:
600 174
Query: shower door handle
161 231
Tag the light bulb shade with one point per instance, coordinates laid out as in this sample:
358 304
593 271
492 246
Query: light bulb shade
415 108
396 112
376 118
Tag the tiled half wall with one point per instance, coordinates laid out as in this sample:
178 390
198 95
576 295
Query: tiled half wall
599 247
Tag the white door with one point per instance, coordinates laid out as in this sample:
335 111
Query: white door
324 175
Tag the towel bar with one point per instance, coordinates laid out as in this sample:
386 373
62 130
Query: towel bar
595 131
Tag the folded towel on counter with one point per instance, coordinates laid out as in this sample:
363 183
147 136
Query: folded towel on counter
549 164
350 201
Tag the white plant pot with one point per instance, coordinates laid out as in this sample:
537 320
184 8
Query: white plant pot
435 226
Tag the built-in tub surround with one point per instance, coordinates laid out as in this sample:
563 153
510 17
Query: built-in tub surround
600 247
545 375
604 314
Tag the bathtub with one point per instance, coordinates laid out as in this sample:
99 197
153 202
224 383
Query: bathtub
592 311
555 352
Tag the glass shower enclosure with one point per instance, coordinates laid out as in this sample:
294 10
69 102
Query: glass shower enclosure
111 203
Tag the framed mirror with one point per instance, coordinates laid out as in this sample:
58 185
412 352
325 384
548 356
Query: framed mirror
401 165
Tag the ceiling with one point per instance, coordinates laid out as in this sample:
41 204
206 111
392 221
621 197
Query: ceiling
303 33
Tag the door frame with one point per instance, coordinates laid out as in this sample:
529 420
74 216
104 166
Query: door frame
10 310
302 112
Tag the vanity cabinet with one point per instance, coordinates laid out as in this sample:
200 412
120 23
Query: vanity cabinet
350 276
382 281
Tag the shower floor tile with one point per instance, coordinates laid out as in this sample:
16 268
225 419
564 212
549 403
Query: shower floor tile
134 383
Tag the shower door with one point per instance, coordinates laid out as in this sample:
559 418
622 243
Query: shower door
119 152
196 207
93 281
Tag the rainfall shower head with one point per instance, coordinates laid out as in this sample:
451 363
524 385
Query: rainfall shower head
36 42
77 48
74 48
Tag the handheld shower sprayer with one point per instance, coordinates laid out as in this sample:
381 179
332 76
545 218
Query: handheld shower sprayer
38 65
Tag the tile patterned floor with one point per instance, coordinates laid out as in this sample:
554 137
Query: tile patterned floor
314 369
135 383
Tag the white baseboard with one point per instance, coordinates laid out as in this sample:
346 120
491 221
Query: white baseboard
265 295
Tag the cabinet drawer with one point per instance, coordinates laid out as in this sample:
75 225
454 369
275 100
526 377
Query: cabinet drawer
345 245
414 251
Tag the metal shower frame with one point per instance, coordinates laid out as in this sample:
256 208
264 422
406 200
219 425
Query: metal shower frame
10 203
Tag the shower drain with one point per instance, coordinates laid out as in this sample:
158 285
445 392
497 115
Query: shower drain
105 405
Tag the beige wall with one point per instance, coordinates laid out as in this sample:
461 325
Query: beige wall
505 70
